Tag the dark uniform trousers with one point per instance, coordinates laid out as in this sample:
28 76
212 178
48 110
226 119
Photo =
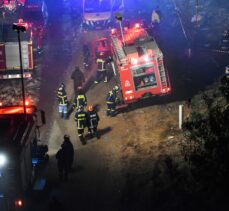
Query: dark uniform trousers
80 119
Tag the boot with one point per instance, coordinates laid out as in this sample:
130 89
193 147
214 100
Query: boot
82 139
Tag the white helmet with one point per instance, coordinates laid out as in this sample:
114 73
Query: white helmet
116 88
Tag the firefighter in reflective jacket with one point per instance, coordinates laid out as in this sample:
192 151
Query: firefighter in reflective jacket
81 123
111 101
80 99
93 120
62 101
101 70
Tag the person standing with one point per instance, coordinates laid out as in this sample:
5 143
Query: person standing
93 121
80 98
62 101
81 123
78 78
155 18
111 101
68 151
62 164
101 70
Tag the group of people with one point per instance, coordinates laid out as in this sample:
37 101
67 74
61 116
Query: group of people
88 118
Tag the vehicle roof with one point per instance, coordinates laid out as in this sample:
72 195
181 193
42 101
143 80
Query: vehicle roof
7 34
33 2
147 44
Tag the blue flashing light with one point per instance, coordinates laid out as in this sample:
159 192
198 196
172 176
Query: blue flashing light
34 161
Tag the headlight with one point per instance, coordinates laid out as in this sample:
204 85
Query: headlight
3 160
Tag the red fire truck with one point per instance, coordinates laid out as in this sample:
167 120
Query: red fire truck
138 65
18 154
9 51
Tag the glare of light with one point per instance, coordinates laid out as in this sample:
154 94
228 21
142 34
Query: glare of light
168 89
113 31
146 58
3 160
163 90
137 26
129 92
26 102
131 97
134 61
1 103
19 203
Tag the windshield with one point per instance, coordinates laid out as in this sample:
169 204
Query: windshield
93 6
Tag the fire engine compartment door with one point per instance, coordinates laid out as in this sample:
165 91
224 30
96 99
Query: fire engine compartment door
144 77
12 55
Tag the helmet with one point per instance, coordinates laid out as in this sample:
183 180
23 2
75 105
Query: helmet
66 137
62 86
79 88
116 88
90 108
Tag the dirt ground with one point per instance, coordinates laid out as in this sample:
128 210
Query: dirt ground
116 172
105 170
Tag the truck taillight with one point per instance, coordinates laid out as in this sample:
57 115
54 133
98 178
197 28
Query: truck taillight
1 103
18 203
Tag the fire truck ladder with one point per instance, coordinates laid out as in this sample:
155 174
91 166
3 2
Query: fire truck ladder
162 74
118 48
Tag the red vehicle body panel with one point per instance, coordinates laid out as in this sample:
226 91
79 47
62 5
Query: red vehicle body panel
139 63
2 57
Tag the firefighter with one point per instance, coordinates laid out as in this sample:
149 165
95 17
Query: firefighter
63 101
101 70
93 120
68 150
81 123
80 98
111 101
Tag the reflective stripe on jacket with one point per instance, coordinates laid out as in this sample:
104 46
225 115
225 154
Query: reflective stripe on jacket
100 64
81 119
62 97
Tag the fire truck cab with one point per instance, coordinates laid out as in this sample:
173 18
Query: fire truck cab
17 172
138 65
102 48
